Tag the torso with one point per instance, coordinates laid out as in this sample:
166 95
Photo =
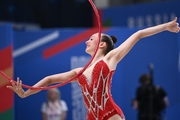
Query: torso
96 92
54 110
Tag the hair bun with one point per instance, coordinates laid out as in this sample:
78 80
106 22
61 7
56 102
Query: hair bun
114 38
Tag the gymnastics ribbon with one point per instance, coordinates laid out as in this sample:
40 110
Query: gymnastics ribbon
66 82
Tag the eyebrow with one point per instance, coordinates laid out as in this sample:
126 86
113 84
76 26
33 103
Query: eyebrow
92 37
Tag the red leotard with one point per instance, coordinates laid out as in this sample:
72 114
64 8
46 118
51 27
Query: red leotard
97 96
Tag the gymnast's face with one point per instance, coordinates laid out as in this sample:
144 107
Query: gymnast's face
91 44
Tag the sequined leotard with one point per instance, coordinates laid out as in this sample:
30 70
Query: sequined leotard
97 96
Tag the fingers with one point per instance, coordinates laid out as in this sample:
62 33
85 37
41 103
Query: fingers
176 25
175 19
11 87
17 88
15 85
173 22
178 28
18 83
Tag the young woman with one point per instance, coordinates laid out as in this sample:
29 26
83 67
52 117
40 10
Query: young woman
54 108
95 81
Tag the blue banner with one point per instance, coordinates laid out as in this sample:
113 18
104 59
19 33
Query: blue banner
38 54
141 15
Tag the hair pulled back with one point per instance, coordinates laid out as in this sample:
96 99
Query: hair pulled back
110 41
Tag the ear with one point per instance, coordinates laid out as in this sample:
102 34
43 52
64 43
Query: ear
102 44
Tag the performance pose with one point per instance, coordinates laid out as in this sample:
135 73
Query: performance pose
95 81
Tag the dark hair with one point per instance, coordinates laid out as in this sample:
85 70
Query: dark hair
145 79
110 41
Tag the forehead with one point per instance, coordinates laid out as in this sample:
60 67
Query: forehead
96 35
53 91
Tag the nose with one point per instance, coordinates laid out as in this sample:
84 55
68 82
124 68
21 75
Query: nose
87 41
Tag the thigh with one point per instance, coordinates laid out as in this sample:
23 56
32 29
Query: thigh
116 117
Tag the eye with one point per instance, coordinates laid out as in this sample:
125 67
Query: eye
91 39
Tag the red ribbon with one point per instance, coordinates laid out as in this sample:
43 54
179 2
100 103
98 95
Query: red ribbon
66 82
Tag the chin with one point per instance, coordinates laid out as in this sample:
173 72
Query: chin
88 52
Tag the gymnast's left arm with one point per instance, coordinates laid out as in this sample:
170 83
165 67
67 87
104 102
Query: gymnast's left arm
61 77
117 54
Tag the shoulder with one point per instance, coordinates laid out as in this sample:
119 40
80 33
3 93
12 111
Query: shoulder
159 88
64 105
44 107
161 91
44 103
62 101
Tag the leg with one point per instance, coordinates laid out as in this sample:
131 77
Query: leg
116 117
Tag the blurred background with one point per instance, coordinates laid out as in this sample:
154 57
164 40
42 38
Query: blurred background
43 37
33 14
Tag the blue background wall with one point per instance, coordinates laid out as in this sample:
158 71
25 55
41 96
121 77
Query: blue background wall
35 56
141 15
161 50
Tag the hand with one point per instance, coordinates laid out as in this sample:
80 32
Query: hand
173 26
17 88
134 104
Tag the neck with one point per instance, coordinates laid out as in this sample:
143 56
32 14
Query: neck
97 57
52 101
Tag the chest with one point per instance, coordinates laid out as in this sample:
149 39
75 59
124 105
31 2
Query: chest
96 75
53 108
88 74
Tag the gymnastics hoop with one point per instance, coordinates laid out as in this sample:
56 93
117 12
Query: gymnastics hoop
66 82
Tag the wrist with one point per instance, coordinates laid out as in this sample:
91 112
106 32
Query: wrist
24 95
166 26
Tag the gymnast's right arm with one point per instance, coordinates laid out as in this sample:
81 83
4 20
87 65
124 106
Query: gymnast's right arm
17 88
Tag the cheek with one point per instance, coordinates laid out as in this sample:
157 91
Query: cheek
94 43
94 46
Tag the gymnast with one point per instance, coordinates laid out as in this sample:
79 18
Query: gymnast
95 81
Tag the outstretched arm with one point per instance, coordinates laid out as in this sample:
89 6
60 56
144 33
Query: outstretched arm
17 88
117 54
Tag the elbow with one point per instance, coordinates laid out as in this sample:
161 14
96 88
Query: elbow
139 34
166 101
48 80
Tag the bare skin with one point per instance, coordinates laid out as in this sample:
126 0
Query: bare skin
111 59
